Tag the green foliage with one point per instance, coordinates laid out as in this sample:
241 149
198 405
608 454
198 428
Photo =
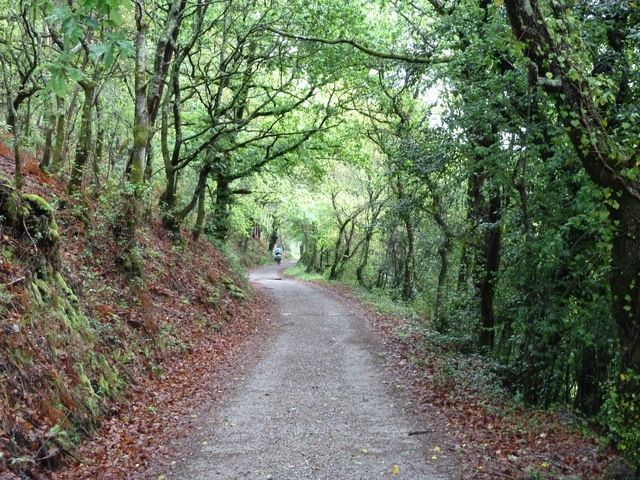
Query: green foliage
299 271
236 291
621 414
77 23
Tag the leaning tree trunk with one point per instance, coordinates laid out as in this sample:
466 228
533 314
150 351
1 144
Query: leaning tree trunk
171 159
198 198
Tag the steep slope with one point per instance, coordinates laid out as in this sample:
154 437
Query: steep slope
78 338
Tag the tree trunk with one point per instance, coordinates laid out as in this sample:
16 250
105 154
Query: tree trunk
443 251
485 214
197 198
15 98
220 219
273 236
170 160
165 48
13 123
200 217
364 259
99 151
45 162
141 125
338 251
409 261
60 135
83 150
439 311
625 281
491 254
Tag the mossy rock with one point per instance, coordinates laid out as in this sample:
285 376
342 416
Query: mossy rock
32 211
39 219
38 204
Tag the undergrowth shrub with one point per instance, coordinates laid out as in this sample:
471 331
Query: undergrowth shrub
620 415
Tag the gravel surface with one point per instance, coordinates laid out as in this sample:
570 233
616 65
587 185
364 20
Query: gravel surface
317 403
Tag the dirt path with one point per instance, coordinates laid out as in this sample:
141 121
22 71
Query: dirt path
317 404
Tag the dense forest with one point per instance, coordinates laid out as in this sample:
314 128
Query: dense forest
477 161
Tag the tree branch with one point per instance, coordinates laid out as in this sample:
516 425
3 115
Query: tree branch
369 51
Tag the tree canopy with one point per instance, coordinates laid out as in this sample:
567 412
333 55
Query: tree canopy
476 160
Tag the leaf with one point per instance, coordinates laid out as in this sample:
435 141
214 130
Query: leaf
96 51
74 73
395 469
59 84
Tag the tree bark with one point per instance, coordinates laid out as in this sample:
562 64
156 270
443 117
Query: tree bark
47 152
141 125
14 126
410 260
60 136
200 216
220 219
83 150
491 254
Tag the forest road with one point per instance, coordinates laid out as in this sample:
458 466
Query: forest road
316 404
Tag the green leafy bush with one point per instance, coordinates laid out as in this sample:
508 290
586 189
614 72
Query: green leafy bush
621 416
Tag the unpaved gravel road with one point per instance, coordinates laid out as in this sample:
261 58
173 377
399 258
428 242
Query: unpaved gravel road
316 404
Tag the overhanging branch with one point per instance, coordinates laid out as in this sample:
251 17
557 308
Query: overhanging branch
369 51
